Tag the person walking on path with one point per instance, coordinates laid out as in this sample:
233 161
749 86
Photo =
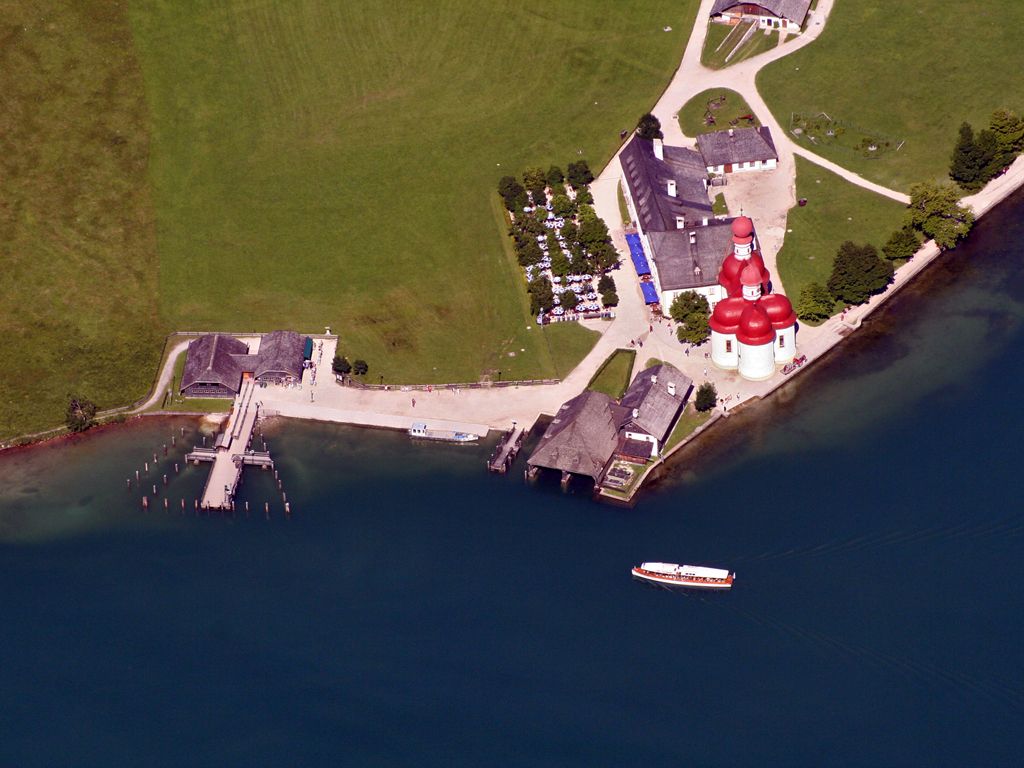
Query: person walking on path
414 402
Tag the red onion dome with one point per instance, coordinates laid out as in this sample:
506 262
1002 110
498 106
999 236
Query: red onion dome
742 229
779 310
729 274
726 317
755 327
751 275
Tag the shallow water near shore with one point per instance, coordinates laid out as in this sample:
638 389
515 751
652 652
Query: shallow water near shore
414 609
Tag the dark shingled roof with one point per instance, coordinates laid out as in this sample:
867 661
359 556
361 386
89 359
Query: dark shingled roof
647 177
280 353
679 254
656 408
212 359
794 10
745 146
582 437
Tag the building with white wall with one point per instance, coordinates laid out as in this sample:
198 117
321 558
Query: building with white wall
738 150
788 15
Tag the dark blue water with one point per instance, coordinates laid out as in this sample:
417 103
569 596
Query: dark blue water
415 610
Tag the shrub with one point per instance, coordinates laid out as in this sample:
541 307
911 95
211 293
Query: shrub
858 273
341 365
649 127
903 244
81 414
815 302
610 298
555 176
359 367
687 303
694 329
606 283
707 397
579 174
562 206
570 300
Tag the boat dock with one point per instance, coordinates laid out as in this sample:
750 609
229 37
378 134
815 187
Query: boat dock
506 450
232 452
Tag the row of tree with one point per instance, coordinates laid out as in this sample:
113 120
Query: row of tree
343 367
536 181
977 158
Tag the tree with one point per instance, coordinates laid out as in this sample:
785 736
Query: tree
570 232
815 302
530 253
341 365
570 300
606 283
603 256
989 157
688 303
592 232
707 397
649 127
534 177
858 273
610 298
1008 128
359 368
695 329
555 177
902 245
936 211
584 196
560 264
81 414
512 193
579 174
562 206
542 298
965 167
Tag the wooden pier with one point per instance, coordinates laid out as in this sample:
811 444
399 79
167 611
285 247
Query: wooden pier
232 452
506 450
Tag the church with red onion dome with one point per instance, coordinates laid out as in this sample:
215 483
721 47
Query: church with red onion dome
752 330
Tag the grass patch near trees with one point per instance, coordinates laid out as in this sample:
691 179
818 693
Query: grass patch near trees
568 344
836 211
933 71
720 207
613 376
730 106
327 165
689 420
78 289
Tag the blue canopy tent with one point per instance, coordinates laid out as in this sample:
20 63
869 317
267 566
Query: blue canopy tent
650 295
636 252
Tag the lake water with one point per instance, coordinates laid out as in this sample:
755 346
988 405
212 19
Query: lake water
416 610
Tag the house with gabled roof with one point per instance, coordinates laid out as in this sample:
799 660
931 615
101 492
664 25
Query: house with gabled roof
737 150
786 15
216 364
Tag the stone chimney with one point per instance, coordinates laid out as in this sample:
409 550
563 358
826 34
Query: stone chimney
672 389
654 379
732 133
659 149
671 187
704 221
636 413
680 222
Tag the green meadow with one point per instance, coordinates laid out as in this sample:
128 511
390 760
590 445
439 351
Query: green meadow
904 71
724 104
251 165
836 211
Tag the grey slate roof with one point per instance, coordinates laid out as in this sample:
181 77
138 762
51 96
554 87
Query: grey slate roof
582 436
647 177
212 359
794 10
744 146
678 255
656 410
280 354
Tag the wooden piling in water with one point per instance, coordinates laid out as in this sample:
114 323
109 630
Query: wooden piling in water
175 468
166 504
183 506
154 489
165 479
287 509
136 475
247 509
145 502
266 509
128 483
146 466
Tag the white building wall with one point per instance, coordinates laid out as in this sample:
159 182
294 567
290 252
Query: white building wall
713 293
756 362
724 350
785 345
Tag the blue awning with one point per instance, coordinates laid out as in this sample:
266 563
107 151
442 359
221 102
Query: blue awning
636 252
650 295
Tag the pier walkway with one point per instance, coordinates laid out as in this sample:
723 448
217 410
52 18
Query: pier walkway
233 451
505 453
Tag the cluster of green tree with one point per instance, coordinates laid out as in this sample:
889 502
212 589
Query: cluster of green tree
586 238
978 158
649 127
858 273
81 414
707 397
343 367
692 312
518 195
606 287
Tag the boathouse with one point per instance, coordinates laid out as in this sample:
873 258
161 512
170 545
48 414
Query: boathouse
592 429
787 15
216 364
737 150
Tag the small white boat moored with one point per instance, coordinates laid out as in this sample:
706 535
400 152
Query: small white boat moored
419 430
676 575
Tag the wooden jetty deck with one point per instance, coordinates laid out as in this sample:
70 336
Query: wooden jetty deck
232 452
505 453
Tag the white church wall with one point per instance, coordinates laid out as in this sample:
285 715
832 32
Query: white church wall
756 362
724 350
785 345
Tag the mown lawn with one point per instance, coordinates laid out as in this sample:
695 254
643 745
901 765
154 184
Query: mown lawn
906 71
613 376
321 163
836 211
691 116
688 422
78 288
291 165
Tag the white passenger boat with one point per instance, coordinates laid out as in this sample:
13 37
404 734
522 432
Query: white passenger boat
685 575
419 430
